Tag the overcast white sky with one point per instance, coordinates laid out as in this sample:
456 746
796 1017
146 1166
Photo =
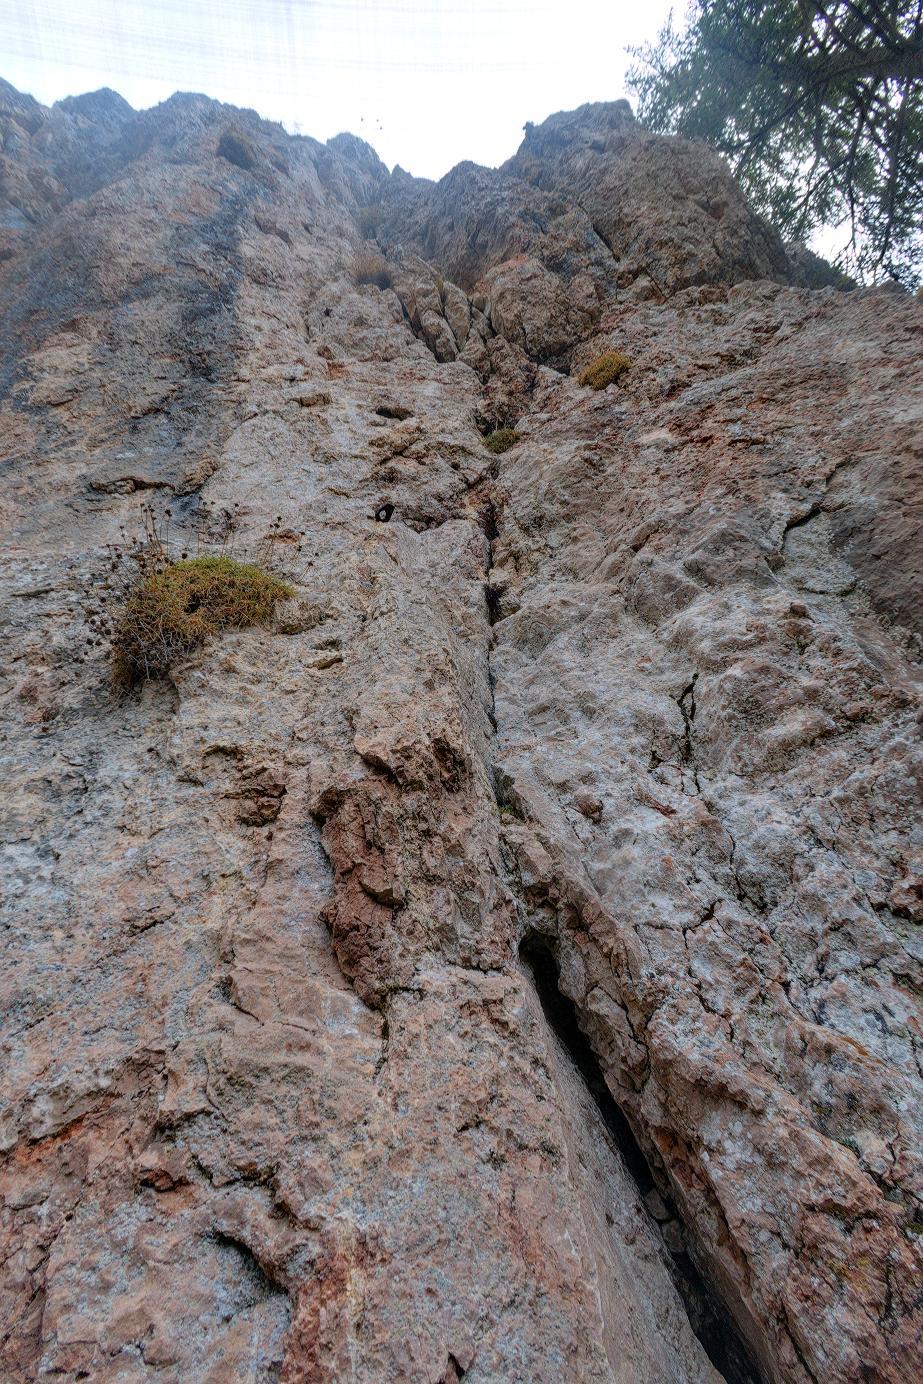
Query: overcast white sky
427 82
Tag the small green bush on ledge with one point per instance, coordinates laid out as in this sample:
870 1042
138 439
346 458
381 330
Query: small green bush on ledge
371 269
173 610
604 369
501 440
368 218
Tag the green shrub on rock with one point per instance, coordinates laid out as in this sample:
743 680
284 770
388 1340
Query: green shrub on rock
178 607
368 218
501 440
604 369
371 269
237 149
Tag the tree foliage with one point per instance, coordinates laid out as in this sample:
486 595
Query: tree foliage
817 106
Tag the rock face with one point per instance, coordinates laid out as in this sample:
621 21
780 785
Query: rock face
507 966
664 208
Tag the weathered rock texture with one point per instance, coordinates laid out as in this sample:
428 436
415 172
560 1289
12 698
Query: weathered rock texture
282 1099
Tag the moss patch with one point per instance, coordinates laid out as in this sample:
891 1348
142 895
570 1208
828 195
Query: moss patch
604 369
176 609
501 440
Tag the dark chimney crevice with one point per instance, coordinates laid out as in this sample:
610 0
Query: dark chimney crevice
709 1317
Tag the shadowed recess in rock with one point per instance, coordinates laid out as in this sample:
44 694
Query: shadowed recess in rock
708 1316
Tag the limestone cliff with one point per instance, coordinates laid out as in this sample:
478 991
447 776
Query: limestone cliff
507 965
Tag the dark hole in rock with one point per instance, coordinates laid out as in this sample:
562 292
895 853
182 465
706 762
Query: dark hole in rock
396 411
254 1283
383 513
708 1316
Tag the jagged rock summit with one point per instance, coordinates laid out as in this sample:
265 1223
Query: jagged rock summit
505 965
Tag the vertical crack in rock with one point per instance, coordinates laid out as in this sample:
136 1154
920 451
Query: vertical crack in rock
490 530
708 1315
492 601
686 703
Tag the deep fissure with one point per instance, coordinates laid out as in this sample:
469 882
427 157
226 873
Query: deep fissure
708 1315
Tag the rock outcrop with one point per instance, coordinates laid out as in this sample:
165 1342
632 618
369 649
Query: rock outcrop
507 966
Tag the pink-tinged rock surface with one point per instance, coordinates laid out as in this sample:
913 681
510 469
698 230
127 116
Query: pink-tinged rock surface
506 966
